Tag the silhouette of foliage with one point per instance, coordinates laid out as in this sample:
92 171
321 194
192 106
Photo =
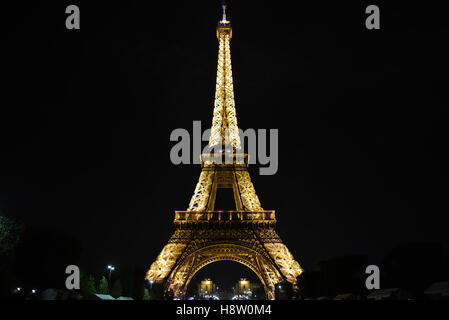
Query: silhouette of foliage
103 286
87 284
117 289
146 294
10 233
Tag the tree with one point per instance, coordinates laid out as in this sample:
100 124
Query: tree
87 284
10 232
132 284
402 262
116 289
146 294
103 286
156 292
48 251
284 291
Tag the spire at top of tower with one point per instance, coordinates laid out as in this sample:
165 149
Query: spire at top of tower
223 20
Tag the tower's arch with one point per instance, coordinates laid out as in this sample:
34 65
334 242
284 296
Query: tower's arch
186 269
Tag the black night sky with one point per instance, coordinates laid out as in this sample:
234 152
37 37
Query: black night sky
86 117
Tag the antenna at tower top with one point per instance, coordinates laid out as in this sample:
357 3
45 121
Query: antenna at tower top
223 5
223 20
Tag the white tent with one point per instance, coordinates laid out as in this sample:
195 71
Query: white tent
391 293
347 296
438 289
104 296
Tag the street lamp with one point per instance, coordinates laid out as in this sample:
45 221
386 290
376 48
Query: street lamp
111 268
151 284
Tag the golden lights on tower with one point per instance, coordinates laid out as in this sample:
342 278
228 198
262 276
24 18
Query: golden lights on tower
245 235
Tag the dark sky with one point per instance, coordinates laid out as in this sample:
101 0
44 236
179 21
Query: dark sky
86 117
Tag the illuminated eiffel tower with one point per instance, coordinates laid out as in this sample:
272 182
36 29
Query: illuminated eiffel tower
245 235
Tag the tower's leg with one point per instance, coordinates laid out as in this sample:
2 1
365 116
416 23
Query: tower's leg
269 293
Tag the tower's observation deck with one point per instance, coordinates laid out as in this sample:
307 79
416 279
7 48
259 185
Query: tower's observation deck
226 218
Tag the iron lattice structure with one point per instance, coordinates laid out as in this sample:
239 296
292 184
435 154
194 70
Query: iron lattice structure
203 235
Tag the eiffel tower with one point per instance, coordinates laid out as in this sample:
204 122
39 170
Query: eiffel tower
203 235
